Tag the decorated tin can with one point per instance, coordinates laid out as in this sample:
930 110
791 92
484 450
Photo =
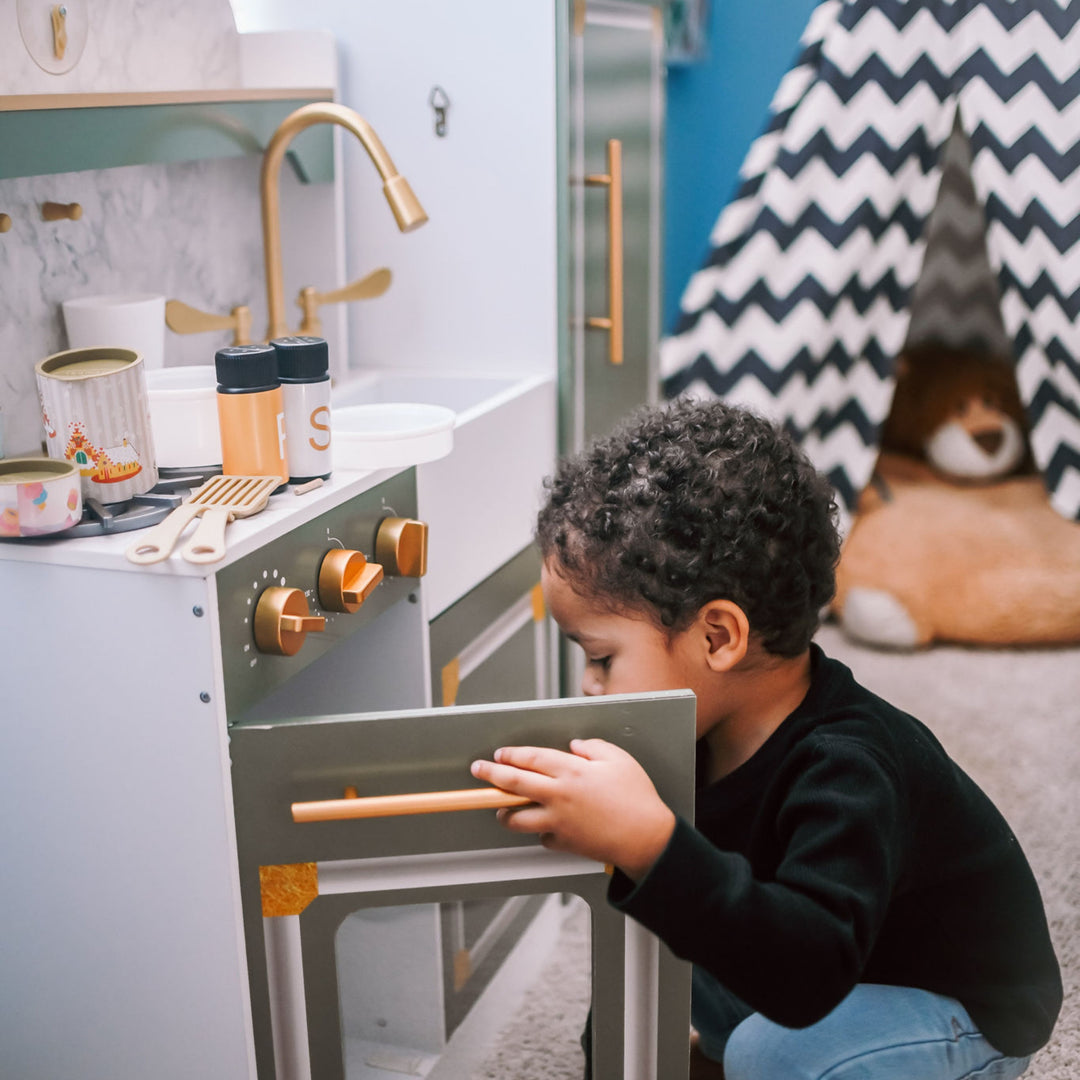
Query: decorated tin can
96 413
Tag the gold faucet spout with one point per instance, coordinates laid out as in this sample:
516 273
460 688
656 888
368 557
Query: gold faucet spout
406 208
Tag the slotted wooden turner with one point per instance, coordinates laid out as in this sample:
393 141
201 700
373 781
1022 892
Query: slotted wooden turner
226 496
247 496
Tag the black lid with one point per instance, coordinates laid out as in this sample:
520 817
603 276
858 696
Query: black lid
246 367
302 357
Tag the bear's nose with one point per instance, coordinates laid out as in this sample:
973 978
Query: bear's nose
989 441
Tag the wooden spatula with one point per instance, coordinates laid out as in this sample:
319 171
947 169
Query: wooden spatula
246 496
237 496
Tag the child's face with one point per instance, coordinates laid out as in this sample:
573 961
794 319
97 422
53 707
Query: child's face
624 654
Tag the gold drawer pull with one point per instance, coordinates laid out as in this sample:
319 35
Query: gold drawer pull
613 322
422 802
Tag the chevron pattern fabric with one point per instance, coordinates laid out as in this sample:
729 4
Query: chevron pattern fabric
806 297
955 300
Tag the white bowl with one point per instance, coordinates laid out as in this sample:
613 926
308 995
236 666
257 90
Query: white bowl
391 435
184 416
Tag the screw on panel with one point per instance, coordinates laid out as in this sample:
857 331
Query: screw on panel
204 697
413 598
197 611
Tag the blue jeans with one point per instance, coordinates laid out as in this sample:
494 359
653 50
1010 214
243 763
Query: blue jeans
875 1033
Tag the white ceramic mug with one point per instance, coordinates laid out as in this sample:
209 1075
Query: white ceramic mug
96 413
127 320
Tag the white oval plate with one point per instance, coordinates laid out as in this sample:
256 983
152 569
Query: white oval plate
391 434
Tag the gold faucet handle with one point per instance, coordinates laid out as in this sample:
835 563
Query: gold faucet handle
366 288
181 318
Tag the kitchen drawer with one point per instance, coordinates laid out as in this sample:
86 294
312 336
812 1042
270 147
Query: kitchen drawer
495 643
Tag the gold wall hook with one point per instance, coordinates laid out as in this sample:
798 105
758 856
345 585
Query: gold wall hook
54 211
182 318
59 30
5 223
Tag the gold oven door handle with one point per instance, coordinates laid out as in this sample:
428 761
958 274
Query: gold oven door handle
423 802
613 322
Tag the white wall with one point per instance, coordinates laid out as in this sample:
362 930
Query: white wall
475 288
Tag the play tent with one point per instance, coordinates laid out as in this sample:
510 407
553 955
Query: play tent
815 273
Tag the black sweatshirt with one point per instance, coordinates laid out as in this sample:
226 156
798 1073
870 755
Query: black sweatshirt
851 849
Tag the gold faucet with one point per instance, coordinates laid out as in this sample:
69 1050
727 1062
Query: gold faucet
407 210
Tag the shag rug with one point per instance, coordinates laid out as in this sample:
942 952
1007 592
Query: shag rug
1011 718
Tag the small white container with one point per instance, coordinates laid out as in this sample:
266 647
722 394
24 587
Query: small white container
129 320
184 416
391 435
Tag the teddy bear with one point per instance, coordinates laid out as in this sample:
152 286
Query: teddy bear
955 539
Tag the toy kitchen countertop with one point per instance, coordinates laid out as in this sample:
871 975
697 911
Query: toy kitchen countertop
282 513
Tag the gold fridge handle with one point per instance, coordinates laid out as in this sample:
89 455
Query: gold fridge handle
613 322
422 802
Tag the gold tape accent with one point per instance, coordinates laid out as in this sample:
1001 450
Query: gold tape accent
287 889
451 680
579 18
538 608
462 968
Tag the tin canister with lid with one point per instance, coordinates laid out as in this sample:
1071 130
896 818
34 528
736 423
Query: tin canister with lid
303 367
251 412
96 413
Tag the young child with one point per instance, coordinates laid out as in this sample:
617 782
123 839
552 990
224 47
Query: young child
853 904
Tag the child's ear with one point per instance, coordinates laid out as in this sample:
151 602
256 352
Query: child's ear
727 634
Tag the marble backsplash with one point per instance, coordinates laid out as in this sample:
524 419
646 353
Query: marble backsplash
118 45
190 231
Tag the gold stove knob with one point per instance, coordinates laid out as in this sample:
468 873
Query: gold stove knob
346 580
282 621
401 546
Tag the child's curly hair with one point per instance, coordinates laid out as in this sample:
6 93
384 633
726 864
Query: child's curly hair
691 502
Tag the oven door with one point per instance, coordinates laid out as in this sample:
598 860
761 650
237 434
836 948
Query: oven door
346 918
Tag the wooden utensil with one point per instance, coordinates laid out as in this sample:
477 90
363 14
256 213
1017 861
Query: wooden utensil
247 496
237 496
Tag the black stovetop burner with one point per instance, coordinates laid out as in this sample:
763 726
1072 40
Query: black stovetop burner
142 511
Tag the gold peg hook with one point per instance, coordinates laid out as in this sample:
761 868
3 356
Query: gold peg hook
5 223
54 211
59 30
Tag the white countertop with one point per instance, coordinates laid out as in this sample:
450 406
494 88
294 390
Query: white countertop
282 513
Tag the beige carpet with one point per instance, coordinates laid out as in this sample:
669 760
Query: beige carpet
1011 718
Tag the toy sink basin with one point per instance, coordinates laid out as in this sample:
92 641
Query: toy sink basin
465 394
479 499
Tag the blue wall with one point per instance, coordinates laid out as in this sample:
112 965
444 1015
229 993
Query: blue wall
716 108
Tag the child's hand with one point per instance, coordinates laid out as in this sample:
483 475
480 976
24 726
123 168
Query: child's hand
596 801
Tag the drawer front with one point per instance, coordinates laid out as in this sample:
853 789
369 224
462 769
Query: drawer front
336 868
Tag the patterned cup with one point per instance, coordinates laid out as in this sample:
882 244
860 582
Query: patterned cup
96 412
38 496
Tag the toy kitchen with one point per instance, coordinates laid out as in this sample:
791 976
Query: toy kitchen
241 835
